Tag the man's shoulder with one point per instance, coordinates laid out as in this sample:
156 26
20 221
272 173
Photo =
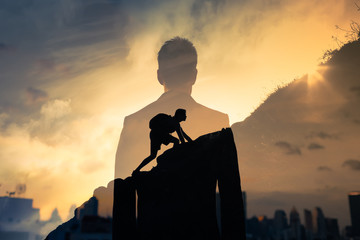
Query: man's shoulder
211 111
161 105
207 112
144 114
168 106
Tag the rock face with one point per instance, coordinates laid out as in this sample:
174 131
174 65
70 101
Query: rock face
177 198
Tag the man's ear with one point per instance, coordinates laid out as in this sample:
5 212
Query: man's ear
160 78
193 76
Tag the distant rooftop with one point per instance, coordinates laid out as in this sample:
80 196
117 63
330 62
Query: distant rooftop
354 193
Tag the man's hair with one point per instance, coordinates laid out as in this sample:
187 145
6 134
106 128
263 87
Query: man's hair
180 112
177 58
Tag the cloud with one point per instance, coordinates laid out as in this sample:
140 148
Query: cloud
288 148
315 146
35 95
91 166
352 164
56 109
324 168
52 126
322 135
356 90
63 40
3 118
3 47
6 48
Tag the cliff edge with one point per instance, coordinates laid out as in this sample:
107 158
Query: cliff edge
177 198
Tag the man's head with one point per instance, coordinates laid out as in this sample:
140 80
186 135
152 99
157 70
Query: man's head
177 61
180 115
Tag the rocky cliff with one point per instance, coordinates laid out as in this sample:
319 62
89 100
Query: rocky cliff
177 198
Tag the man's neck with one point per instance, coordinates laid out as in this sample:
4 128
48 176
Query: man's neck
184 90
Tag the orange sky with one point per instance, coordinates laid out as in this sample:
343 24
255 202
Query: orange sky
62 145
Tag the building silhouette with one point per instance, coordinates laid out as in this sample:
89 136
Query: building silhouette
316 226
332 229
354 202
18 219
319 224
218 208
86 224
245 204
295 225
55 217
308 224
89 208
308 220
280 224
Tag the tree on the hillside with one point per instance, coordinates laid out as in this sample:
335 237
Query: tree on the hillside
351 35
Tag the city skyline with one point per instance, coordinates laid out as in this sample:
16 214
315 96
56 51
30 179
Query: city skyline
282 219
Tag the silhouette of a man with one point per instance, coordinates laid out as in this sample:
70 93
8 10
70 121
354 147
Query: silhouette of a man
177 72
160 134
